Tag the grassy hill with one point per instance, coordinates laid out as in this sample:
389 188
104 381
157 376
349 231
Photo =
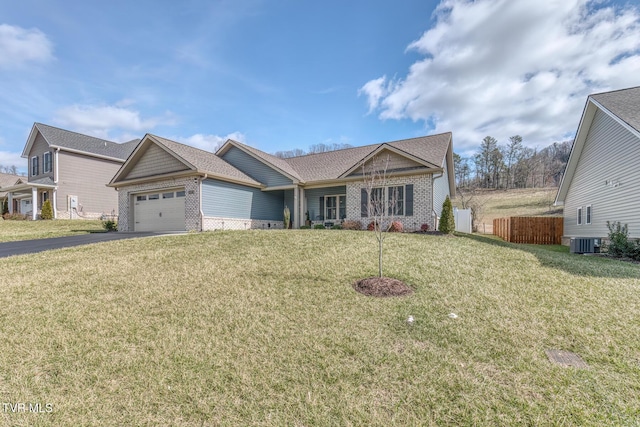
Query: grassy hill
516 202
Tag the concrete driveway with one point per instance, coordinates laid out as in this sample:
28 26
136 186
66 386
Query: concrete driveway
22 247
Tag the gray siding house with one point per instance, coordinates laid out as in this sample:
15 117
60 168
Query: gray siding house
602 179
71 170
165 185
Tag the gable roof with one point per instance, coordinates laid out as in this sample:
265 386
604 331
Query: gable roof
196 160
621 105
79 143
280 165
431 151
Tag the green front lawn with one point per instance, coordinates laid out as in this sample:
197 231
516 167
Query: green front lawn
264 328
12 230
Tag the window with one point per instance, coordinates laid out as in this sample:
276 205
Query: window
154 196
46 162
45 196
167 195
335 207
34 166
393 200
588 219
180 193
141 198
579 221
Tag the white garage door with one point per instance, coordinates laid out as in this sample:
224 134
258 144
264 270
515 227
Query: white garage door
159 211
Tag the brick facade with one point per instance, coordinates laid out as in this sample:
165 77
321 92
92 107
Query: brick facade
192 201
422 202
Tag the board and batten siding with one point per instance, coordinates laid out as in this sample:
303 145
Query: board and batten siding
38 149
228 200
86 177
255 168
440 190
610 154
313 199
155 161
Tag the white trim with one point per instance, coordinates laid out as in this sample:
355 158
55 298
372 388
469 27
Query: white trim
579 215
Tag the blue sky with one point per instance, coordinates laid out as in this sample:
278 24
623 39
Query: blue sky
285 74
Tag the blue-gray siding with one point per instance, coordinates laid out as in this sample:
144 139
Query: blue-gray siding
255 168
313 198
227 200
607 178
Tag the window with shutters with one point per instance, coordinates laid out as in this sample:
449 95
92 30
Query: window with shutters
396 200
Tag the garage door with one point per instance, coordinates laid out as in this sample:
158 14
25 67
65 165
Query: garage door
159 211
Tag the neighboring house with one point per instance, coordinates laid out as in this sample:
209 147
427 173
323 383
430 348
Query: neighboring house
71 170
165 185
9 180
602 179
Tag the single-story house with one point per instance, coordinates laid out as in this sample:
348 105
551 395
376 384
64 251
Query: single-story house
165 185
71 170
602 179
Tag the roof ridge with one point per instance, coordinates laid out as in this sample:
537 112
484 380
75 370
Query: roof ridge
613 91
77 133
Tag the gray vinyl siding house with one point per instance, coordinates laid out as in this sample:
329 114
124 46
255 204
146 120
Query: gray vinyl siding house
240 187
602 179
70 170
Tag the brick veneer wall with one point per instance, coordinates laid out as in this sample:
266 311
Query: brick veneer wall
210 223
192 201
422 201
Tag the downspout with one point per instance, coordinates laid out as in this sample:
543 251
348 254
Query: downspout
55 181
200 201
433 209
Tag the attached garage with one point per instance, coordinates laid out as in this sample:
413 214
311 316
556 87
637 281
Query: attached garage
159 211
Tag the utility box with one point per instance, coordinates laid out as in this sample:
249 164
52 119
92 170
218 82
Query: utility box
585 245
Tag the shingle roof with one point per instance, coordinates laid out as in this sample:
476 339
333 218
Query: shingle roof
204 161
625 104
7 179
78 142
279 163
333 164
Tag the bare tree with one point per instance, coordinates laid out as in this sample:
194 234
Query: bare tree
382 201
470 199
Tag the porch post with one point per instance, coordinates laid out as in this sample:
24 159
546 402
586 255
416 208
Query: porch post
10 201
303 217
34 203
296 208
55 203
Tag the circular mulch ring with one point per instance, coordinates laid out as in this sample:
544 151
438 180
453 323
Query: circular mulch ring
382 287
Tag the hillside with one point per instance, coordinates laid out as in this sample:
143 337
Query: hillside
505 203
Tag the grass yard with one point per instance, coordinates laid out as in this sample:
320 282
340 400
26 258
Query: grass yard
11 230
263 328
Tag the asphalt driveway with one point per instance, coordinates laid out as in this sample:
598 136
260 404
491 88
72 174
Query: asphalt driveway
22 247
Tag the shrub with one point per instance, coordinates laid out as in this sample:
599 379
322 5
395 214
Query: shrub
319 227
447 223
351 225
14 216
424 227
371 226
5 207
110 225
336 227
619 244
396 227
46 212
305 227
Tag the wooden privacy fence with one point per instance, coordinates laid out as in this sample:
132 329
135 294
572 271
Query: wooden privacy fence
536 230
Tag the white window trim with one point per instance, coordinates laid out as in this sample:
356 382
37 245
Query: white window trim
44 162
326 196
385 196
588 215
579 215
37 166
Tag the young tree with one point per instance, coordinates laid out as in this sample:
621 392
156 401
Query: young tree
447 224
380 201
47 211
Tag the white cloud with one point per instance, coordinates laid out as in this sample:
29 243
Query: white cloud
105 120
8 159
19 46
210 142
504 67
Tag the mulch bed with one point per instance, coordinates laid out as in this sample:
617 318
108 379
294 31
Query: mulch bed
382 287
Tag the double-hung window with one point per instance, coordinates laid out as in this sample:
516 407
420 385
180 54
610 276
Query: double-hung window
588 212
46 162
395 200
34 166
579 216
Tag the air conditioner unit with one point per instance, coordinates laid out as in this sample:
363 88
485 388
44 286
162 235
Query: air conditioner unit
584 245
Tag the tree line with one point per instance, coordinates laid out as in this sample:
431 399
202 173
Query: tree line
313 149
512 165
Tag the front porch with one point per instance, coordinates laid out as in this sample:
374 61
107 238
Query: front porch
27 198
